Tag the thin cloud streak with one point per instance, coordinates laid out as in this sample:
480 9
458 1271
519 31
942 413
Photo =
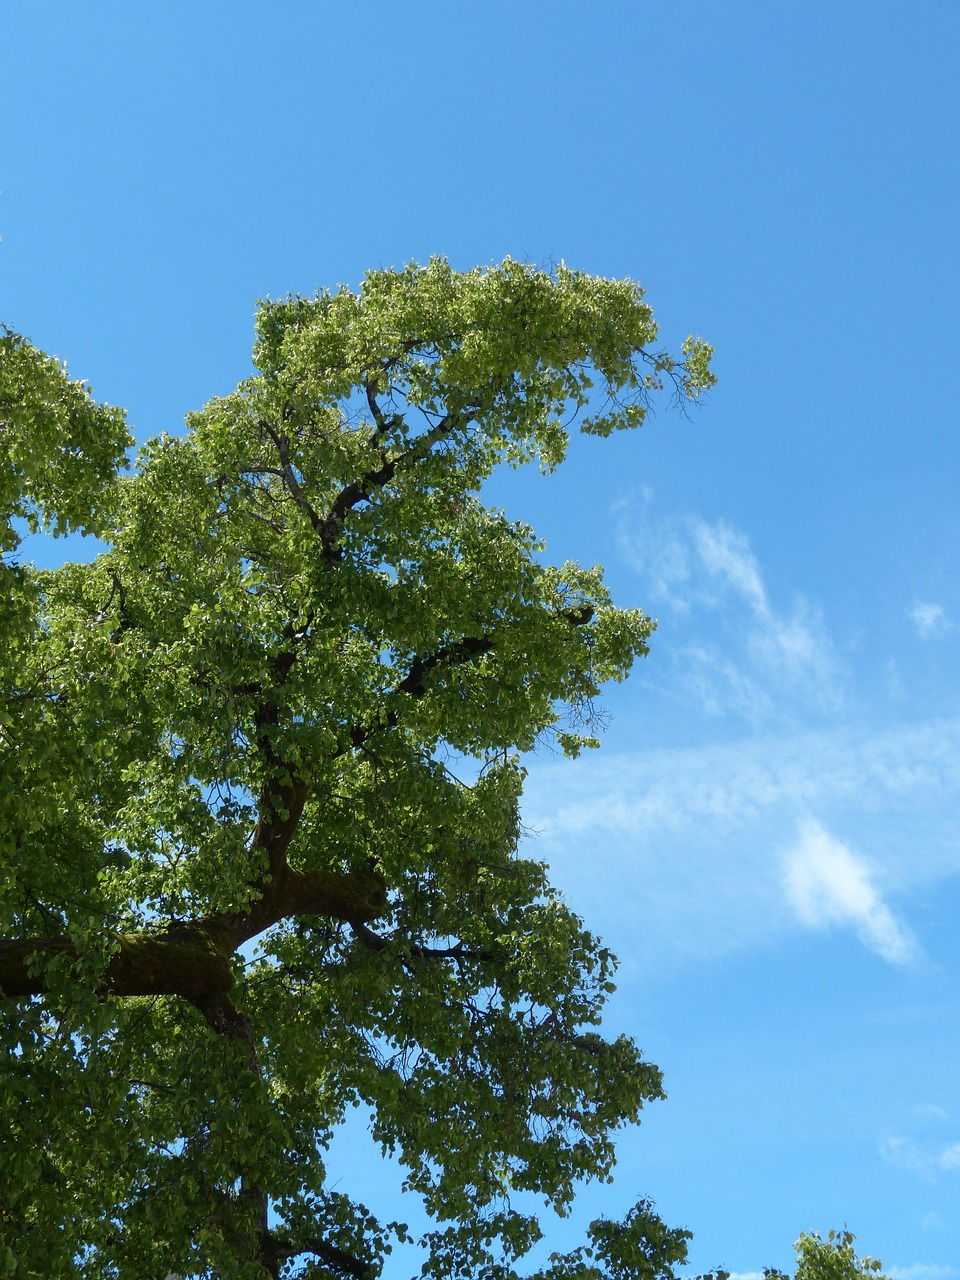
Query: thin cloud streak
696 840
828 885
725 554
769 659
646 793
926 1161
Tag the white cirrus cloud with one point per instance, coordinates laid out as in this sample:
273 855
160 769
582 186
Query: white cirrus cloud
931 1113
925 1159
828 885
725 554
693 844
930 620
735 651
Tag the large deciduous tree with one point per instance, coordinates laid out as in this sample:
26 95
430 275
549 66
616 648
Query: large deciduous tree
259 795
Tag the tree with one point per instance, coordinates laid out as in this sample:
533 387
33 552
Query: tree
830 1259
260 781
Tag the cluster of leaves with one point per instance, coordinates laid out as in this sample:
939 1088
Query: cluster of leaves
831 1259
243 886
59 449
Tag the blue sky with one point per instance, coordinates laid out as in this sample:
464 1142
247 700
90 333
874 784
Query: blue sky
769 836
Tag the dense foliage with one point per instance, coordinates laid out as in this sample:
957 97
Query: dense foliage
260 780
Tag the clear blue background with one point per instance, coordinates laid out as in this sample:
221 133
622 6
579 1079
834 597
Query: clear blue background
769 837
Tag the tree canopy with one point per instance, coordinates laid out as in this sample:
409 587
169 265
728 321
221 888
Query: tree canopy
260 779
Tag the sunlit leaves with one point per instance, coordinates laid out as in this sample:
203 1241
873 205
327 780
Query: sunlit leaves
59 449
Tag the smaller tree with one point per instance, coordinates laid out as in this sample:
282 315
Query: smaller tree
833 1259
818 1259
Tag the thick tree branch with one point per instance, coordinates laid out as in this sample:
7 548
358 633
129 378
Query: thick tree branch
280 810
193 959
383 422
275 1249
413 683
363 488
456 653
374 942
329 528
186 961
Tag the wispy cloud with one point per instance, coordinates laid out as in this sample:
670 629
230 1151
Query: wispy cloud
930 620
925 1159
796 819
828 885
695 839
737 651
931 1113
